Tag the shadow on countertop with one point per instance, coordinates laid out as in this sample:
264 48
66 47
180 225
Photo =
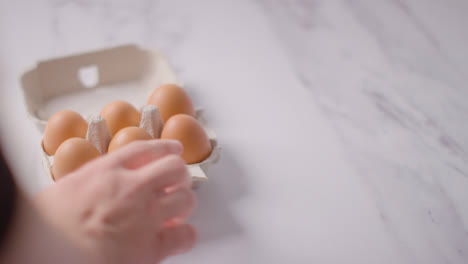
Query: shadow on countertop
213 217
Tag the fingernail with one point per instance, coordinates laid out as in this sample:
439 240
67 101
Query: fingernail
189 236
191 239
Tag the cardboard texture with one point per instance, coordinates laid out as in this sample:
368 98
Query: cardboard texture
86 82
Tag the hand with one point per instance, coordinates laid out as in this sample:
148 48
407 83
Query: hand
129 206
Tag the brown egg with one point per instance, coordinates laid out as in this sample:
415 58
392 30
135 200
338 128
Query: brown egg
71 155
120 114
172 99
190 133
62 126
127 135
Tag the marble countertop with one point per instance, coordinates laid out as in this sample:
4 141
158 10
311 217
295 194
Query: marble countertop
343 123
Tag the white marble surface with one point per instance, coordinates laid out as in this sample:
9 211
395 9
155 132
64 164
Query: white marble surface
343 123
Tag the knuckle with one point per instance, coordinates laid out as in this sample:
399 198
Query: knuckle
93 166
94 230
120 175
176 162
111 184
164 146
137 144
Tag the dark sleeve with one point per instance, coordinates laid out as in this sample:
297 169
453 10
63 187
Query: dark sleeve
8 194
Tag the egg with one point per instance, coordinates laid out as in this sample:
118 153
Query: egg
120 114
127 135
172 99
62 126
190 133
71 155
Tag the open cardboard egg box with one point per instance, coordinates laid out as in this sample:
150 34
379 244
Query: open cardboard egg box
86 82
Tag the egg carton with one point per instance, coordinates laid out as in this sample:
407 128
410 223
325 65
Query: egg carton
86 82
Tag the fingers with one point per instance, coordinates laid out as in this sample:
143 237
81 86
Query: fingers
167 171
140 153
177 204
176 239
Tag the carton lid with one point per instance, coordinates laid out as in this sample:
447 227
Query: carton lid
58 77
